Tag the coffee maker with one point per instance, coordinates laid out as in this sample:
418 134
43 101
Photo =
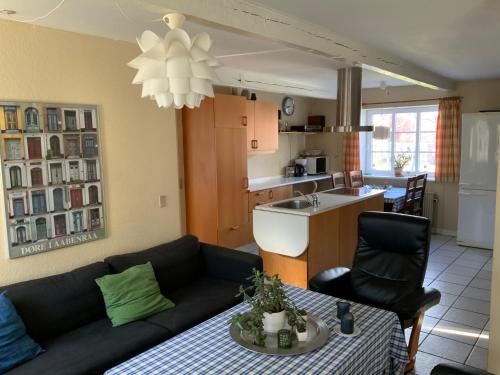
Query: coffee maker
300 167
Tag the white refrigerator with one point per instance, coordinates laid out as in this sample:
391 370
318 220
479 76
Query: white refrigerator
478 179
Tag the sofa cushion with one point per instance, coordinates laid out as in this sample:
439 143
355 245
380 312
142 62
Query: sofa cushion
197 302
93 349
15 345
175 263
132 295
57 304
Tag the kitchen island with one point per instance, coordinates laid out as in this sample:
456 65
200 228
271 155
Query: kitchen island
297 240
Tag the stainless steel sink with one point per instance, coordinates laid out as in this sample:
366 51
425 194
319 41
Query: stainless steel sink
293 205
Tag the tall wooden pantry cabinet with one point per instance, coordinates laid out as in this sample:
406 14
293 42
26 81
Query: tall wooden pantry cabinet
215 163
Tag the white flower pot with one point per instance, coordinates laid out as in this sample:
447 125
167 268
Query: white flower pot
274 322
302 336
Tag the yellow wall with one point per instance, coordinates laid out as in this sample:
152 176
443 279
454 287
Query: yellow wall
139 141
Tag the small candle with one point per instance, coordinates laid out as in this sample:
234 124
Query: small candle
342 308
347 323
284 338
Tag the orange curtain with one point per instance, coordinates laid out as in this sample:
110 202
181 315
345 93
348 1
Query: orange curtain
449 124
351 152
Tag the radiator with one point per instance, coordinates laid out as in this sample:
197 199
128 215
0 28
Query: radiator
430 200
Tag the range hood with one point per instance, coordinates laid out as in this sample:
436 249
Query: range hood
349 101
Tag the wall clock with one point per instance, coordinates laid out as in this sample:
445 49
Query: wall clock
288 105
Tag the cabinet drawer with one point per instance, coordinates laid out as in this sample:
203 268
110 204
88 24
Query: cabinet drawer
280 193
257 197
234 236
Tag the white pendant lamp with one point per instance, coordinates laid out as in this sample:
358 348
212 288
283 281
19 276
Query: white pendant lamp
175 71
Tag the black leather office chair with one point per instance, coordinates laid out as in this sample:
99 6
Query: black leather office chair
388 270
452 369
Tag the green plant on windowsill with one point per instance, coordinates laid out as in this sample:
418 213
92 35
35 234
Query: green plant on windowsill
269 303
401 160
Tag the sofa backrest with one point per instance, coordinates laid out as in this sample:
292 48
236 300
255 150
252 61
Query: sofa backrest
57 304
176 263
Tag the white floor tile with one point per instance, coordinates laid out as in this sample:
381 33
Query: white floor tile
454 278
447 299
477 293
480 283
446 348
457 331
468 318
471 304
446 287
478 358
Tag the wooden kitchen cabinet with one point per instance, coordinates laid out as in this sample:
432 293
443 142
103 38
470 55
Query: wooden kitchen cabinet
215 170
262 126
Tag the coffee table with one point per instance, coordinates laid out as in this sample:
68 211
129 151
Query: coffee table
208 349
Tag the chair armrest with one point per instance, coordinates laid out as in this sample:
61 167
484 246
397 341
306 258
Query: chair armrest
325 281
452 369
229 264
419 301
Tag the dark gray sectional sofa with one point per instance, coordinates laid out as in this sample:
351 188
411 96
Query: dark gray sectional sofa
66 314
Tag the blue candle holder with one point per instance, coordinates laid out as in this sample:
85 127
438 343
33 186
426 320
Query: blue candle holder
347 323
342 308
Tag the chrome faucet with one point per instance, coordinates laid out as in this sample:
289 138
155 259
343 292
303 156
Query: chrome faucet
315 186
314 200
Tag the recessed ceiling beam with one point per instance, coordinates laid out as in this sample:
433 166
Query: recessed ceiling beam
249 18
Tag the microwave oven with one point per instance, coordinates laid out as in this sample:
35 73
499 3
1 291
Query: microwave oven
317 164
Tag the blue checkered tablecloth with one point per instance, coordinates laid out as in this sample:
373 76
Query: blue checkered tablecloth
208 348
396 196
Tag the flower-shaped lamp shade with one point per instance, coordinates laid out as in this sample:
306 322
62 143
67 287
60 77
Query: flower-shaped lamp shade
175 71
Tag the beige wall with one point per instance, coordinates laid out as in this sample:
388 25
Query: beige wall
139 141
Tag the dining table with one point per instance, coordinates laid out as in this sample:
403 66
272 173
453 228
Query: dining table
394 199
207 348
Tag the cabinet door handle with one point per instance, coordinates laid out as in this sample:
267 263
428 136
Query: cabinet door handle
244 120
245 182
236 227
271 194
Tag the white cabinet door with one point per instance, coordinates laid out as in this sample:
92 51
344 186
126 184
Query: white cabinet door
476 218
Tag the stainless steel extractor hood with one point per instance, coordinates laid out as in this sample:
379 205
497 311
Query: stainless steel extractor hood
349 101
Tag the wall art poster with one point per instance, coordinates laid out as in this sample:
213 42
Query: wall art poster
52 176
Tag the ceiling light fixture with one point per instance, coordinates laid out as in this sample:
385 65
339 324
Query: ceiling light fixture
175 71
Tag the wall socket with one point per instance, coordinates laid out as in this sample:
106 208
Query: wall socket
162 201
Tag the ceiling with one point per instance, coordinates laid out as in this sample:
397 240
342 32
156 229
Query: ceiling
454 38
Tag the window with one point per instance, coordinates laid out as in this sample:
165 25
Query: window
56 173
60 225
87 119
18 206
95 220
34 148
93 195
55 146
70 119
13 149
11 117
91 170
58 199
52 119
41 228
78 221
15 177
21 235
74 171
38 200
89 145
412 131
31 117
36 176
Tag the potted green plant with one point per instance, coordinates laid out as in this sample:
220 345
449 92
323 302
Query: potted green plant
401 160
297 319
270 308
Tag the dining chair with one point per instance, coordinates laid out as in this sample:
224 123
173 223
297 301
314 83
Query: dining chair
457 369
356 179
387 271
414 198
339 180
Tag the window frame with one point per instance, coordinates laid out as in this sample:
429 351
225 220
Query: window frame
366 151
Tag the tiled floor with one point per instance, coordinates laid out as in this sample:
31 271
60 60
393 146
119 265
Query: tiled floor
456 330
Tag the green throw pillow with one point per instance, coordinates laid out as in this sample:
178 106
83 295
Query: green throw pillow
132 295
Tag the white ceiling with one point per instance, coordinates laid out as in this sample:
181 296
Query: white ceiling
455 38
458 39
239 54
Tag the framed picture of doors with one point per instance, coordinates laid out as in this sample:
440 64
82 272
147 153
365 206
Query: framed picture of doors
52 176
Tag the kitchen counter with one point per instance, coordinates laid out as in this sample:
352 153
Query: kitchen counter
277 181
327 202
299 243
